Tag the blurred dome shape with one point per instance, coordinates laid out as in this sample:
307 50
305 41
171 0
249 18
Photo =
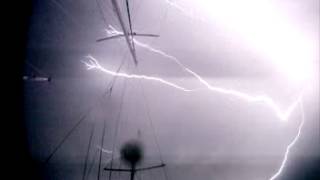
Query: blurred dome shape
132 152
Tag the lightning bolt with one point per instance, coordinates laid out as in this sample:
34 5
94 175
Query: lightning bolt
92 63
282 115
293 142
111 31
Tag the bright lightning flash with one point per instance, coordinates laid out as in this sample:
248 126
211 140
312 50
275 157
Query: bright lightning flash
283 115
92 63
265 27
264 30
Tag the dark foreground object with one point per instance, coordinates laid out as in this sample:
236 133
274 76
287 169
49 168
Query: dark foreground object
132 154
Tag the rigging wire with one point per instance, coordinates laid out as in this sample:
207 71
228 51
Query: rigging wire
88 151
69 133
102 141
137 9
161 21
130 24
122 62
92 163
40 72
65 12
152 127
101 12
104 122
83 117
146 103
120 162
116 77
111 85
110 90
103 135
117 126
129 16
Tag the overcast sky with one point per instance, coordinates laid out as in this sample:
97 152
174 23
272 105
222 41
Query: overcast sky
252 47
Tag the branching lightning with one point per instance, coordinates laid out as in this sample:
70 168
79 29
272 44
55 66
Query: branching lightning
112 31
283 163
92 63
282 115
